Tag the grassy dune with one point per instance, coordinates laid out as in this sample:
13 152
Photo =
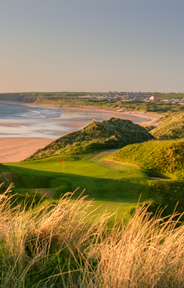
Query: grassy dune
96 136
159 156
163 161
171 127
64 246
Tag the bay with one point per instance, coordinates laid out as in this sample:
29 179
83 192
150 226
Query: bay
20 120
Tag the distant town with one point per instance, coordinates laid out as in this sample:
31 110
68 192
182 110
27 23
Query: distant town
111 96
135 96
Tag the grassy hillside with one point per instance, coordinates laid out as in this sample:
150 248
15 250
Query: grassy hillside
171 127
161 160
159 156
110 134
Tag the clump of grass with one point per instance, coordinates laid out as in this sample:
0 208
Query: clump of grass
145 253
63 246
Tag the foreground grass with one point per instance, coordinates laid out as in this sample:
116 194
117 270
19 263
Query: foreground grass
61 246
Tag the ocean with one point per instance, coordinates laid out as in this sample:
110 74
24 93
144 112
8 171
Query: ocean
20 120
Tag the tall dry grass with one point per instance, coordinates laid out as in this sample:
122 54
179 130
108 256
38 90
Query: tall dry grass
64 246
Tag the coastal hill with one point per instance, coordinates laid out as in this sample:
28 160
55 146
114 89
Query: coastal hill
165 156
171 127
106 134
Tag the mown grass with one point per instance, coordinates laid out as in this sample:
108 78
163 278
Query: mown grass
61 246
117 186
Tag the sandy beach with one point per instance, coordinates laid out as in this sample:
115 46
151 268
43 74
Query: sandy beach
18 148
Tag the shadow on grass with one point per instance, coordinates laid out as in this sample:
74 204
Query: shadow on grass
126 190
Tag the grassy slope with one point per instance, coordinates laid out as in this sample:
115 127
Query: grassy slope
162 156
171 127
112 185
159 158
107 134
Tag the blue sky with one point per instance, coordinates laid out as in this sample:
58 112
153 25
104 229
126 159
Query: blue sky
91 45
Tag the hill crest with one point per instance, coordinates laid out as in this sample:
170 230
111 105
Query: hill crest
170 127
165 156
106 134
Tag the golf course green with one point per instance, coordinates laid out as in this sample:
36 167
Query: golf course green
112 185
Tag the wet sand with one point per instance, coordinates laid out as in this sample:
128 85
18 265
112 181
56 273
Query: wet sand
153 117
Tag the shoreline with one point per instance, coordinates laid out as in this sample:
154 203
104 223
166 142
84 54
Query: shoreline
153 116
15 149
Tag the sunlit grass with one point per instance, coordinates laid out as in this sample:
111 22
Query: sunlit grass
65 245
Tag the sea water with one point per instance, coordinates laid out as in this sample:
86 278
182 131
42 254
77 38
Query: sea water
20 120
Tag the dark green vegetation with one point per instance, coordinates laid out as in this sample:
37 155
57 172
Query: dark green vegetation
159 159
170 127
107 134
159 156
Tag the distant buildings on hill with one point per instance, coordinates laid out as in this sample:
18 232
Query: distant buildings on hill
132 96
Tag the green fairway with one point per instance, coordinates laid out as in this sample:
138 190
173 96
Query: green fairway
112 185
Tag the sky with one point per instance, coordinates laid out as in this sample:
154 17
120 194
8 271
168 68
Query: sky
91 45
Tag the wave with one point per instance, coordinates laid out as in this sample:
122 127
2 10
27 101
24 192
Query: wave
34 111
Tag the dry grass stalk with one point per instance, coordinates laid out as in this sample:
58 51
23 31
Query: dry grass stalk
63 246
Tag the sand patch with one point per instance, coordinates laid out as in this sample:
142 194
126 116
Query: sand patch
17 149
